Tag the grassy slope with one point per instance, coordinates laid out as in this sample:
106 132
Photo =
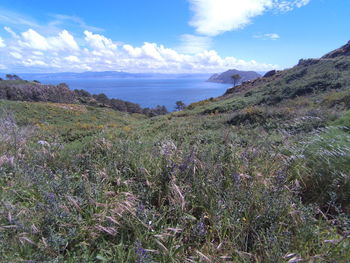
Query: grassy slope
71 121
262 177
308 78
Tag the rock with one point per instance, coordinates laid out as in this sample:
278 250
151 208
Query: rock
308 62
342 51
270 74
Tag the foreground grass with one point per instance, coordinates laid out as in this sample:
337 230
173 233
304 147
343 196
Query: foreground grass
177 188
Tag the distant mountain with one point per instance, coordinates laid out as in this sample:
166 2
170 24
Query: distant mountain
107 75
226 77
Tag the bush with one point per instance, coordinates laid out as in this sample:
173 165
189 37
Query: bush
255 115
12 137
339 99
323 166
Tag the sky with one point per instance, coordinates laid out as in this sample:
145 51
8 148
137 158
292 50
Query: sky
167 36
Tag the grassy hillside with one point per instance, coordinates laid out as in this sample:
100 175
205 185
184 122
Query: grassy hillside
258 175
69 121
318 80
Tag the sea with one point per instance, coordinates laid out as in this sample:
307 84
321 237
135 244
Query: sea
149 92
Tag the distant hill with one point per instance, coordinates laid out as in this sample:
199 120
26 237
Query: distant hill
226 77
107 75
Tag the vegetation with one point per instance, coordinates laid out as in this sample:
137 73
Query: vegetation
236 78
180 105
20 90
12 77
258 175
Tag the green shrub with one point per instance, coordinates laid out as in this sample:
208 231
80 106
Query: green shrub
323 165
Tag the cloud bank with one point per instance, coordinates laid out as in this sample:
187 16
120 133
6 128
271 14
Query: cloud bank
33 47
30 51
214 17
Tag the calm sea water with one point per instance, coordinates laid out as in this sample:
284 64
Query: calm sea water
149 92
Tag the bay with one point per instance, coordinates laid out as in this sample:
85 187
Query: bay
149 92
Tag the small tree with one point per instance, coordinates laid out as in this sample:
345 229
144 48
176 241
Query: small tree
236 78
180 105
9 76
102 98
16 77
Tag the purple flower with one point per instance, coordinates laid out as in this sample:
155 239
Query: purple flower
200 229
141 253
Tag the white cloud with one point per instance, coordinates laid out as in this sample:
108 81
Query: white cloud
47 47
64 41
12 18
149 51
133 52
31 63
270 36
54 25
99 42
2 67
64 19
300 3
72 59
16 55
34 40
289 5
11 32
191 44
213 17
2 43
37 52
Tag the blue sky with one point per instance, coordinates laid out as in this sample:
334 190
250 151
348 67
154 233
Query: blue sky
167 35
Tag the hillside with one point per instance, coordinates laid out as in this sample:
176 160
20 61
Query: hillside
226 77
317 80
260 174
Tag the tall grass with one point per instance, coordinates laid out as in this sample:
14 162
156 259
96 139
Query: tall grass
161 191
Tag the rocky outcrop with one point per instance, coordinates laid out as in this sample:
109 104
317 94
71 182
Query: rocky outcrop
270 73
342 51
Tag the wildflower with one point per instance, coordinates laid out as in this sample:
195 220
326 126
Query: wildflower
236 179
7 160
140 211
200 229
141 253
51 198
167 148
43 143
